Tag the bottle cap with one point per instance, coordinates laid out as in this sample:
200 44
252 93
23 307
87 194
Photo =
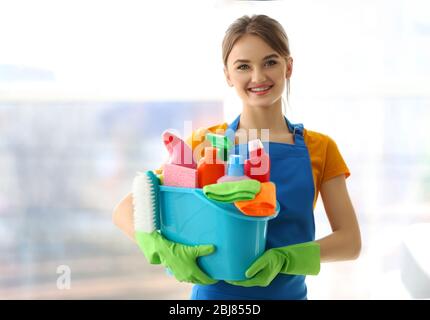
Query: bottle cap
235 165
219 141
255 148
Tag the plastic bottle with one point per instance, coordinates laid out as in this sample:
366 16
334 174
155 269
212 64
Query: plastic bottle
223 143
210 168
235 171
258 165
179 152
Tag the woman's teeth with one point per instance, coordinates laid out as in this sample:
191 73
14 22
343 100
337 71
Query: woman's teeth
260 89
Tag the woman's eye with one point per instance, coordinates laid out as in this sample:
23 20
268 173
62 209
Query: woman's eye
245 66
272 62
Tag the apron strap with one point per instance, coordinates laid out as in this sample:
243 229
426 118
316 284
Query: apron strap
233 126
297 130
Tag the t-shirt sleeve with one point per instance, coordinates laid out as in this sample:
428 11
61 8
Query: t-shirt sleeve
334 163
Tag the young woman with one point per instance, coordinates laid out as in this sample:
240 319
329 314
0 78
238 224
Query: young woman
304 163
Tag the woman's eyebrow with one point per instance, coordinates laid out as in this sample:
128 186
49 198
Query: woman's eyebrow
273 55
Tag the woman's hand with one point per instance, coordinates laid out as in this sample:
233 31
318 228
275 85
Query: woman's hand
298 259
179 258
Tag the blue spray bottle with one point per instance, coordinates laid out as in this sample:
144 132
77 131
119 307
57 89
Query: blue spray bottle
235 169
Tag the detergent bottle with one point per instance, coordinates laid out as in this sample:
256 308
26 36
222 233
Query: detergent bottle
179 152
210 168
235 171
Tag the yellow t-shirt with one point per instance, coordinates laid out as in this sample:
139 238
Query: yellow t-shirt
326 160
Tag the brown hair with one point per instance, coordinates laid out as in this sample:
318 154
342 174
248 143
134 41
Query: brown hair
268 29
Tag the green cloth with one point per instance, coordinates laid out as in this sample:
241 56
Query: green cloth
298 259
233 191
179 258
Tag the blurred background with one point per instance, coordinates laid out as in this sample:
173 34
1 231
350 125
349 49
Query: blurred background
87 87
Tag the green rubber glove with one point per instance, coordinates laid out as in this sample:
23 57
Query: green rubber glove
179 258
298 259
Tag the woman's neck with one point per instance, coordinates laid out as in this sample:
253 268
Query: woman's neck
264 118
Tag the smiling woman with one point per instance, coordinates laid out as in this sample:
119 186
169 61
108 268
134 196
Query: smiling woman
86 87
267 68
258 75
257 63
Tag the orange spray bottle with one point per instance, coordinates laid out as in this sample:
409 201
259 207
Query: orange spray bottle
210 168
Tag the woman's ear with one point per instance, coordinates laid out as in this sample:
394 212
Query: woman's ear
227 77
289 67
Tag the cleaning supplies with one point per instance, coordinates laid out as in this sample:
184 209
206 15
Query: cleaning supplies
179 176
210 168
235 170
264 203
179 152
146 209
232 191
190 218
258 165
181 259
223 143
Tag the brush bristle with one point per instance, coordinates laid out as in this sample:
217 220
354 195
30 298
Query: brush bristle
145 202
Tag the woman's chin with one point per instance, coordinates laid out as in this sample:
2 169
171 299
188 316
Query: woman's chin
269 103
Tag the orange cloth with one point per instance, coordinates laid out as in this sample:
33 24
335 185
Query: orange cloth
264 203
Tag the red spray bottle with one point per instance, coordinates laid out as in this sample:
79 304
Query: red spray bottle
258 165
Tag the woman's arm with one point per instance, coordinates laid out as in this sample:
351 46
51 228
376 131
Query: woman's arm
123 216
345 241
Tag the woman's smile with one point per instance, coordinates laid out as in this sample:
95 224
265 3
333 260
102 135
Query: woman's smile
260 91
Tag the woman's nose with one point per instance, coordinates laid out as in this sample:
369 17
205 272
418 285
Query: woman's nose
258 76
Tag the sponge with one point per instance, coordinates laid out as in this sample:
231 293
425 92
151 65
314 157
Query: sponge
179 176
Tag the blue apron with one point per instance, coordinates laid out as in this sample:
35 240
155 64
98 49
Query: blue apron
291 171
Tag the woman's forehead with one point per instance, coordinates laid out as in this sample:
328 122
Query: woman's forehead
250 47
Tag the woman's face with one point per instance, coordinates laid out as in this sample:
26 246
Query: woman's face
251 64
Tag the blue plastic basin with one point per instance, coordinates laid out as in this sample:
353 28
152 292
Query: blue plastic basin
188 217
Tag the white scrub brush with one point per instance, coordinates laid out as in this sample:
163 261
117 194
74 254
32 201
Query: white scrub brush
145 202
